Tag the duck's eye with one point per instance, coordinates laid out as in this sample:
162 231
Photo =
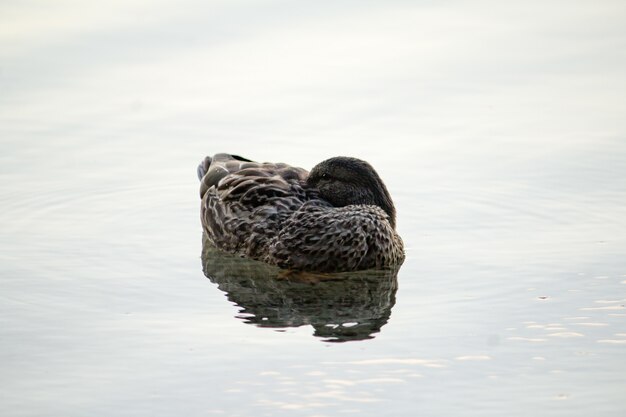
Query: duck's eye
324 175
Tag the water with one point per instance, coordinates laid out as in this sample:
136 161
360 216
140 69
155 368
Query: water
498 128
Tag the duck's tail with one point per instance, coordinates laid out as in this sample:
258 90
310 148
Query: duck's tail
230 162
213 168
203 168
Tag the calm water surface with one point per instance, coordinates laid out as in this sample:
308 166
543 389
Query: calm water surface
498 128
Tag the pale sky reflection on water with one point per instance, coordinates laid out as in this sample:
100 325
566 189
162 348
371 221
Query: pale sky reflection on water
498 127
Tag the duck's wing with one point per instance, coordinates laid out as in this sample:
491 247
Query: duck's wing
244 202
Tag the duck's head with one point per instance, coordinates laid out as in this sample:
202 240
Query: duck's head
343 181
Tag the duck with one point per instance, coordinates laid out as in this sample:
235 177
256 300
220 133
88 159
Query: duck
338 217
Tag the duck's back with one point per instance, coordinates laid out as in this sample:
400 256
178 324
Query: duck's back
244 203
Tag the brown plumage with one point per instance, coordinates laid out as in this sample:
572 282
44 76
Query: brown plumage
339 217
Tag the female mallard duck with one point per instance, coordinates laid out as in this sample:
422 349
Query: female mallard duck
339 217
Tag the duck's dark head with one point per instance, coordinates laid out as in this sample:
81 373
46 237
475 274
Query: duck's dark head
343 181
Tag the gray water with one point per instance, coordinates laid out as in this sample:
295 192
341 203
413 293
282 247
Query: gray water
499 129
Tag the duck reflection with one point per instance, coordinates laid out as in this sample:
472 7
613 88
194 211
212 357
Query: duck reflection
340 307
